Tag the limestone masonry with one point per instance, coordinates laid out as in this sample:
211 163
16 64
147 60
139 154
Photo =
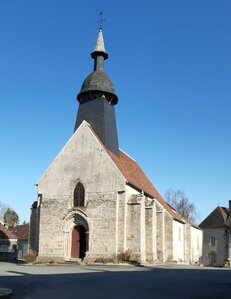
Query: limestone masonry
94 201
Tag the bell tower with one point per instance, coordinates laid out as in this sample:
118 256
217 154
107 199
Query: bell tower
97 99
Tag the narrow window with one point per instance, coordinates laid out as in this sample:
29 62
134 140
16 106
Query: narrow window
212 241
212 258
79 195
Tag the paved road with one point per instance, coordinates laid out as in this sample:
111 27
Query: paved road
109 282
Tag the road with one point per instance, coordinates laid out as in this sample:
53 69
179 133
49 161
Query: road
110 282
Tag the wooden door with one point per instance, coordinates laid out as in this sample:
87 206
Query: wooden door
75 242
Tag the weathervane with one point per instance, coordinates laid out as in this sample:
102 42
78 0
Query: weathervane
101 20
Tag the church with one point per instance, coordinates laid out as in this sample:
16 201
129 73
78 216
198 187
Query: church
95 202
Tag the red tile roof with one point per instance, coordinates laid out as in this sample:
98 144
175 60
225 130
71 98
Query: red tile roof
6 234
21 231
137 178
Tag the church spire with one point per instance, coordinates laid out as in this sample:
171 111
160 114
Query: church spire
97 98
99 54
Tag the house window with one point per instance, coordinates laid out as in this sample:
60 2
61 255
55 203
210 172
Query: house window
212 258
79 195
212 241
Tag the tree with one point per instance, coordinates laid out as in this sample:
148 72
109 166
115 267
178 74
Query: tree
178 200
11 218
3 208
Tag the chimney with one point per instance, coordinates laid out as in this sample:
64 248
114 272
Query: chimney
229 207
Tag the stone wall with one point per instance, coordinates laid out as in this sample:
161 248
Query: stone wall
150 230
178 241
218 248
188 243
196 245
121 223
134 230
159 233
101 212
168 237
149 234
83 159
34 230
116 216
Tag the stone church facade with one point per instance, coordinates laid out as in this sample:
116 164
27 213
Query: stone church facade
94 201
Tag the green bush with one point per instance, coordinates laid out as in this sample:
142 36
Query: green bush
30 257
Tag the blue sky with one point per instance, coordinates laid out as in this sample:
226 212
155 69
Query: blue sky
171 68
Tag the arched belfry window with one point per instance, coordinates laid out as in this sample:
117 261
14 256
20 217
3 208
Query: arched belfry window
79 193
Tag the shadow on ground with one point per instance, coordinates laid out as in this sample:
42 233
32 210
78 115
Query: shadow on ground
106 282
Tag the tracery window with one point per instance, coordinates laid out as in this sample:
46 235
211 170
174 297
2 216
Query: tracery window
79 194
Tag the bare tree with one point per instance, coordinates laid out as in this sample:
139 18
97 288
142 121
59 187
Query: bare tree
3 208
178 200
11 218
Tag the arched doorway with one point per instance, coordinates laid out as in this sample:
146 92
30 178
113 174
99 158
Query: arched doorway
78 242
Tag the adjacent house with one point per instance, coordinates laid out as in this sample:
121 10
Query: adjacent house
217 237
8 244
21 231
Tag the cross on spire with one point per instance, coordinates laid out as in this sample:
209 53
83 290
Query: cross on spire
101 20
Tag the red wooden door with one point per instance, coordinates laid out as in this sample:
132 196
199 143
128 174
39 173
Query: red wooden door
75 242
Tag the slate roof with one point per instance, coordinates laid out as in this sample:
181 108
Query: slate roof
219 217
6 234
98 81
21 231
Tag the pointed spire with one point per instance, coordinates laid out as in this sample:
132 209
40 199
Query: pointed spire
100 42
99 54
99 50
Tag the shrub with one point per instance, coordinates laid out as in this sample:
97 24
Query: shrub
99 260
30 257
124 256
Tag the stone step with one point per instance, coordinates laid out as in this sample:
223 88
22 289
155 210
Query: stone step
75 260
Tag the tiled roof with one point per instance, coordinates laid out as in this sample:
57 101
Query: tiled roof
218 218
21 231
6 234
137 178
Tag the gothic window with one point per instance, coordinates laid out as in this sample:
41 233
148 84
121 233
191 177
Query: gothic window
79 195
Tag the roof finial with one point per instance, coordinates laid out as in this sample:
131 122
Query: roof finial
101 20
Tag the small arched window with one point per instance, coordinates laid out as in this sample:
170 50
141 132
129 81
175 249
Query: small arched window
79 195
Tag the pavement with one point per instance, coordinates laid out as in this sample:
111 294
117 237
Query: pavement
5 293
71 281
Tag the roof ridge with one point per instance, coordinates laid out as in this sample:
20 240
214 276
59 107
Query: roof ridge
7 232
127 154
132 177
222 214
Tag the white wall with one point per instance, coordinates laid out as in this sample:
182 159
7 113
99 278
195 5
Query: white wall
196 244
178 230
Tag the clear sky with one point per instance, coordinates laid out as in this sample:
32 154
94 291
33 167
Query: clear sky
171 68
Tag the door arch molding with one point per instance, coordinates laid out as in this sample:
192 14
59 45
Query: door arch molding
72 220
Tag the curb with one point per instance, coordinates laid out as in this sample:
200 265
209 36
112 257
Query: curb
5 293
